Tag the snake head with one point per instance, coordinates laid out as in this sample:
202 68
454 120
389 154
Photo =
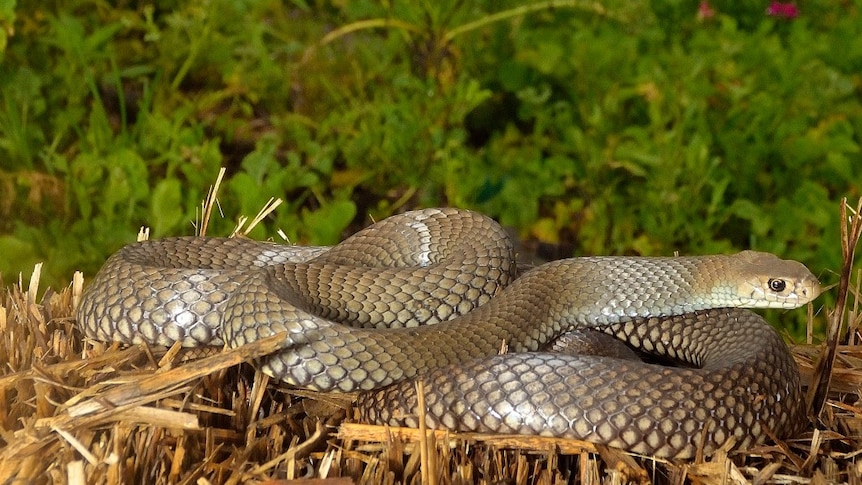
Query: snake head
766 281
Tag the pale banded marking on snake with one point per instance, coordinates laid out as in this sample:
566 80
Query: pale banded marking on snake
444 264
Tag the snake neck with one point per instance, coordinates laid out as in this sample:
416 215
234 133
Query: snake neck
605 290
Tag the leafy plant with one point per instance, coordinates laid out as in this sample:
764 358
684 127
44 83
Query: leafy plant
607 128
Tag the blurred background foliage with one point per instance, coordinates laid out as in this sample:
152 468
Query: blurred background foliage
620 127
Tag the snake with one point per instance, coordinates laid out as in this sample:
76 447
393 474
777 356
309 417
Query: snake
435 294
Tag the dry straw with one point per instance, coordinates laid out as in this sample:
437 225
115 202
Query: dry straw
78 411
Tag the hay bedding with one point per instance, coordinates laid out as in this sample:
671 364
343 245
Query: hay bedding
77 411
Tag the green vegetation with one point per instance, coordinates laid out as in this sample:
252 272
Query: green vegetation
616 127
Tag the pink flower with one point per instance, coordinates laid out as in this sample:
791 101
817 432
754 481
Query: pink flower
705 11
782 10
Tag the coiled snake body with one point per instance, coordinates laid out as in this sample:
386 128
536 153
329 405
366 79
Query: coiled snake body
450 267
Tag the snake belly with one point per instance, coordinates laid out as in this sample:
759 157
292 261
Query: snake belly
452 268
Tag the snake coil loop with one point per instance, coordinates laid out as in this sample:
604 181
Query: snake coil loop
449 271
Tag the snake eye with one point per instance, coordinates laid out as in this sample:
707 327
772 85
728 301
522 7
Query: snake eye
776 285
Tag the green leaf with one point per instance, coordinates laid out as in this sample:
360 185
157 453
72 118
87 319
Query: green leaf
326 224
7 21
166 210
761 221
18 255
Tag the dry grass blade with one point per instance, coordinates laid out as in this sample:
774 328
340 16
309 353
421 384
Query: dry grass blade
240 228
851 231
210 202
140 392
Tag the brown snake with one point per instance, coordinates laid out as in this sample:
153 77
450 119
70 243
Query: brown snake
451 266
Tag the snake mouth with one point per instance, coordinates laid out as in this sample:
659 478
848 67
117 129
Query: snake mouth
803 292
810 289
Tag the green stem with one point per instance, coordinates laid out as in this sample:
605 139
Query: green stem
360 25
520 11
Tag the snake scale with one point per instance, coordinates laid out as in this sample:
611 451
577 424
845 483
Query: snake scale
357 317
